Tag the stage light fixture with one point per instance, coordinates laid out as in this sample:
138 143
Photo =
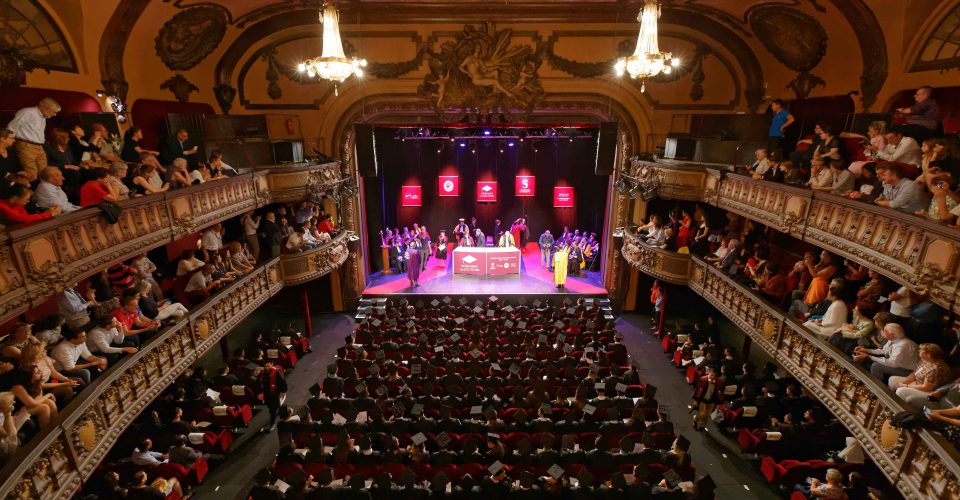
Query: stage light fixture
486 132
463 144
510 144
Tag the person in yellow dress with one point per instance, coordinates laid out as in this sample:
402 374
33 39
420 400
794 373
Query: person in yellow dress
560 266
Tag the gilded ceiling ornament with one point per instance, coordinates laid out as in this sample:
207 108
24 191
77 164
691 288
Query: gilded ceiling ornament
180 87
480 70
190 36
796 39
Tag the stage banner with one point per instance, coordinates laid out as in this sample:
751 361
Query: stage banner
411 196
503 263
563 197
449 185
487 191
469 261
525 185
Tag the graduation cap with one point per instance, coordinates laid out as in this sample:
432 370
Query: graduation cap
439 348
491 313
508 323
536 303
316 389
618 481
495 468
590 324
439 483
620 387
476 410
542 339
568 348
595 368
673 479
434 302
422 337
683 443
571 310
415 369
514 368
478 309
588 349
443 439
495 366
361 387
475 353
522 325
522 300
380 354
547 409
600 386
418 438
377 323
706 485
463 301
508 309
459 321
456 336
416 410
555 471
558 324
494 298
589 409
561 337
447 300
493 436
410 324
419 304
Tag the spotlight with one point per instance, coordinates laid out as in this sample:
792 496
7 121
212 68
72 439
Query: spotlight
510 144
486 132
463 144
438 150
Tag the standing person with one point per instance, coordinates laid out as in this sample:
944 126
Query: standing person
29 126
251 225
413 263
560 266
274 387
706 396
442 248
497 228
546 245
517 229
272 234
460 230
425 248
779 122
479 239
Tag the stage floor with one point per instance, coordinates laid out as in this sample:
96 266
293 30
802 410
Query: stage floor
439 279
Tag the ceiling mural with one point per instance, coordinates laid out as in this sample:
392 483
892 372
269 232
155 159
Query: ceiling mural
29 39
190 36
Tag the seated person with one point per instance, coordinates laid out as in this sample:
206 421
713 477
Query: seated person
901 193
133 325
898 356
833 320
931 372
106 339
760 165
188 263
69 353
832 489
858 331
97 189
13 206
843 179
181 453
202 284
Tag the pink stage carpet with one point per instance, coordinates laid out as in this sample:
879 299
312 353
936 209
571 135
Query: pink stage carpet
439 279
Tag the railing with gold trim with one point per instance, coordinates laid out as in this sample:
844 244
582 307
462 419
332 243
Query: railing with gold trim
300 267
55 463
911 250
921 464
38 260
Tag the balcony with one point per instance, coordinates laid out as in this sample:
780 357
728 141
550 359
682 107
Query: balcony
907 249
37 260
921 464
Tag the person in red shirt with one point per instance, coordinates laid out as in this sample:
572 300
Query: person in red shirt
325 226
131 323
12 209
97 189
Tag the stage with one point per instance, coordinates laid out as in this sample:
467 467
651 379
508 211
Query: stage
438 279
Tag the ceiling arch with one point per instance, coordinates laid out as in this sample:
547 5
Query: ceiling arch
27 28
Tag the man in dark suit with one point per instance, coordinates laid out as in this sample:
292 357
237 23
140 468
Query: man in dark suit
274 385
398 258
178 146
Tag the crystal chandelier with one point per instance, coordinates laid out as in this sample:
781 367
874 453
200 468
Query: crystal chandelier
647 61
332 64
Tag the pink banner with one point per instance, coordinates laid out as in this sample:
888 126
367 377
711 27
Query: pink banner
526 185
449 185
411 196
486 260
563 197
487 191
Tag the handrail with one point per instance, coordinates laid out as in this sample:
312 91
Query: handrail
921 254
38 260
922 464
55 463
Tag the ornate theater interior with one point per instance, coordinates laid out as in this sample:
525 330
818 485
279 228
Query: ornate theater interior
461 249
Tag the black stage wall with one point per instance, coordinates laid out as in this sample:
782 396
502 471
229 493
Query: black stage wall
554 162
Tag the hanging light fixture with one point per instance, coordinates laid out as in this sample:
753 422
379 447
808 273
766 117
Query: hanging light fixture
647 61
332 64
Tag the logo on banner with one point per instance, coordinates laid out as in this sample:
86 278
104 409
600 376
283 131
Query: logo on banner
469 259
449 185
411 196
487 191
526 185
563 197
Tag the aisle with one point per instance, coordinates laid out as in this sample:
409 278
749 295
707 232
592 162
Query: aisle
735 478
252 451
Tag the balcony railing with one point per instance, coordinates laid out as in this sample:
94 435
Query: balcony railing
911 250
38 260
921 464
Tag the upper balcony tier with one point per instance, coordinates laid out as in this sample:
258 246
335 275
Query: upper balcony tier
908 249
38 260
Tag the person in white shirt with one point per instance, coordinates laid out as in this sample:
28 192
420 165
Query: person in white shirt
296 242
251 225
832 320
324 238
898 356
900 149
143 457
49 192
201 283
29 126
900 304
211 241
67 356
309 239
760 166
188 263
107 339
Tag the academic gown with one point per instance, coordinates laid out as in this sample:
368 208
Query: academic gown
413 264
560 267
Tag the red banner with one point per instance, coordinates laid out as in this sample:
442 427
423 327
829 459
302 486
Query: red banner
526 185
449 185
563 197
487 191
411 196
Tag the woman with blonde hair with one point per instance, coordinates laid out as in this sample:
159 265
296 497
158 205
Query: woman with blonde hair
9 442
35 354
932 372
876 140
15 342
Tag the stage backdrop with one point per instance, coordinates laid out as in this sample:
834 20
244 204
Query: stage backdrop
413 162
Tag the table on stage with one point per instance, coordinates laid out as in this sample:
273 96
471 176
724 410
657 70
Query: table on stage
486 260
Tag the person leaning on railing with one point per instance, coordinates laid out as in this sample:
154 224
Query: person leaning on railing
13 206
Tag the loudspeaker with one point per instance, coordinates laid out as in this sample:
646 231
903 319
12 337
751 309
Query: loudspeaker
606 148
366 150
